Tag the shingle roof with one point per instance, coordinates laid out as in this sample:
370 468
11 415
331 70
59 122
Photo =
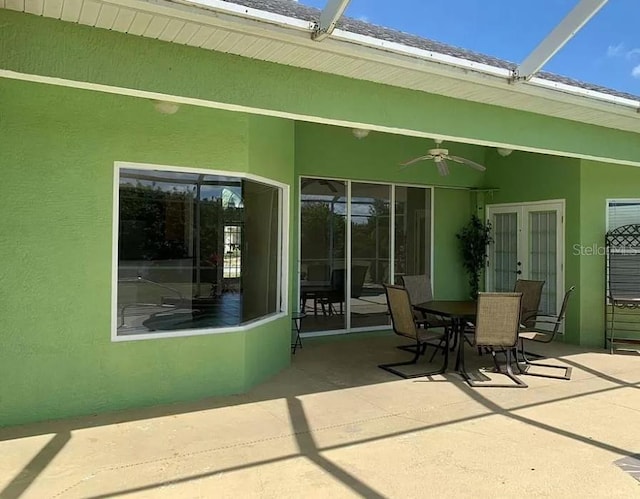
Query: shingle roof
293 9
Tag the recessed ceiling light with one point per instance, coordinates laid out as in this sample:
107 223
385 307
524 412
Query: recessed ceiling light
165 107
360 133
502 151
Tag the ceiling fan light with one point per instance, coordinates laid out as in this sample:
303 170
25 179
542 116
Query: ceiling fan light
503 151
360 133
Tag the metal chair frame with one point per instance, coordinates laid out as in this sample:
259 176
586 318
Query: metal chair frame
546 336
399 303
419 289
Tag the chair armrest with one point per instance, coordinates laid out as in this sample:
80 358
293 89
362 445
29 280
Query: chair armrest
549 322
555 323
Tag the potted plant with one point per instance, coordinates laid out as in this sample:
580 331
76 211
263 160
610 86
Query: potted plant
474 238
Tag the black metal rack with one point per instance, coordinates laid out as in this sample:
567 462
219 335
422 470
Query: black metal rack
622 300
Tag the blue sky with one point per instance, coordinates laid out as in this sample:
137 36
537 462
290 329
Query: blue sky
606 51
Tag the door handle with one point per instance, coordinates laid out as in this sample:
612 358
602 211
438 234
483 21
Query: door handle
517 272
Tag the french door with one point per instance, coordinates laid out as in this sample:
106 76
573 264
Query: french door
528 244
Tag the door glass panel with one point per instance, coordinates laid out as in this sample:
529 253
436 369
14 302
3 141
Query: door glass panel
370 248
323 229
505 256
543 256
413 232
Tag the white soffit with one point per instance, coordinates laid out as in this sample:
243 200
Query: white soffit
226 27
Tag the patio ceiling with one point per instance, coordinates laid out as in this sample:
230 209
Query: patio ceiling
265 35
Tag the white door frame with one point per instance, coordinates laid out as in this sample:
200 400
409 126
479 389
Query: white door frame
522 209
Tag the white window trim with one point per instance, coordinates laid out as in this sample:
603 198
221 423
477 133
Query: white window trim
608 202
283 253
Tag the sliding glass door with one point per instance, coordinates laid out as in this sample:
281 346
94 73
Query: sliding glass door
370 253
323 236
354 237
412 242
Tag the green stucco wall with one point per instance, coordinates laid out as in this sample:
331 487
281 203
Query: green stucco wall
598 182
42 46
271 154
585 186
452 210
524 177
57 148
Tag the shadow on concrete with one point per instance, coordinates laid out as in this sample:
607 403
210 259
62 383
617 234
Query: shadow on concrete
35 467
326 367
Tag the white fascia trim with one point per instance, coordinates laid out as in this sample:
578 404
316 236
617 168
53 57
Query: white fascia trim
584 92
291 30
486 69
144 94
241 11
397 48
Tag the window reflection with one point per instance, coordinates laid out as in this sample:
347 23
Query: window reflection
335 284
412 232
370 253
323 230
183 252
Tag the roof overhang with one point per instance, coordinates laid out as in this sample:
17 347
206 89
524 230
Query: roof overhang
227 27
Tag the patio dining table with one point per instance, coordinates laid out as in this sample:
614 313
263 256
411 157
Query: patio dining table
458 311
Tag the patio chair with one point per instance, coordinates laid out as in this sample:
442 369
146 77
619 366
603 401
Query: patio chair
404 325
496 326
419 289
531 296
544 336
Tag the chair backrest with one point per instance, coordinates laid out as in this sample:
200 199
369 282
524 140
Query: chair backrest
531 295
418 287
563 310
498 319
401 311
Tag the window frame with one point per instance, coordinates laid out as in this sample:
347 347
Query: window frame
607 206
283 252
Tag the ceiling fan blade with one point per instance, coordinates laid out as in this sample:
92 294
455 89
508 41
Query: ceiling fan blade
443 167
467 162
415 160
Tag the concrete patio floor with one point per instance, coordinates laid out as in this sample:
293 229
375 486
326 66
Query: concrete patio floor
334 425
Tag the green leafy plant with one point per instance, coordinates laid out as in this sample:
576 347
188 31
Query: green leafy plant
474 239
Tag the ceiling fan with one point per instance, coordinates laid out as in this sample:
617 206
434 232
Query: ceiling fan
440 156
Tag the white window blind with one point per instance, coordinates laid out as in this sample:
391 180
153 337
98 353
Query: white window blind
622 212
